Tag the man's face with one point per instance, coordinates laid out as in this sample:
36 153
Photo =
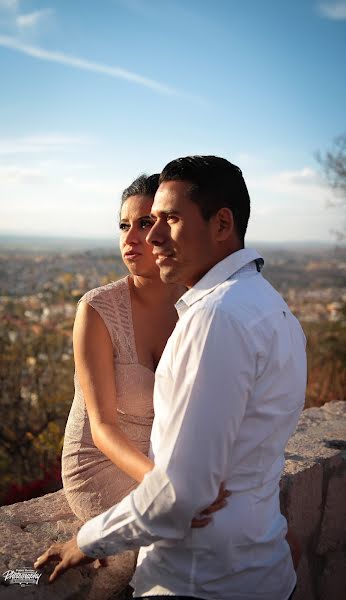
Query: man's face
183 241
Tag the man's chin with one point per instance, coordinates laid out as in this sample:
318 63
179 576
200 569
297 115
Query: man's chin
168 275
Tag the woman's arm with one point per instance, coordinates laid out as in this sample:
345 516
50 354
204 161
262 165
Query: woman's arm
93 353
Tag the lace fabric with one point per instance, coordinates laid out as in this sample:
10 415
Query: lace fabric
92 483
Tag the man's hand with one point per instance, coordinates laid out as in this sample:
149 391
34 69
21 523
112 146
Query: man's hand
68 554
218 503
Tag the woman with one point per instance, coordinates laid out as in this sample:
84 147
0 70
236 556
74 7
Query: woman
119 335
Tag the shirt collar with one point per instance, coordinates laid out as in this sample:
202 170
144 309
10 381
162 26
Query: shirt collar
222 271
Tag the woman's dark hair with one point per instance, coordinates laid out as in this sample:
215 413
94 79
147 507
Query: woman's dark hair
215 183
144 185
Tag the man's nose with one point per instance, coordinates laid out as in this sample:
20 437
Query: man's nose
156 235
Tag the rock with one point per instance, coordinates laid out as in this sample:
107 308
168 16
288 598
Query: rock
313 491
332 583
333 527
28 528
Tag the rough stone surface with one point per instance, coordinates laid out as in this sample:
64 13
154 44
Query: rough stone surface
29 528
333 526
313 492
304 580
332 583
303 502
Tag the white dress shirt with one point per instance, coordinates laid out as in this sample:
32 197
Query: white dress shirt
228 393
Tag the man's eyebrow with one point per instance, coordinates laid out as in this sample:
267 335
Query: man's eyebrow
138 218
165 213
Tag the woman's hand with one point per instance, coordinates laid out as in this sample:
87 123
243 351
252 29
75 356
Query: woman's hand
68 555
219 503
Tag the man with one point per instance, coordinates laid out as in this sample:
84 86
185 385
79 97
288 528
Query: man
228 393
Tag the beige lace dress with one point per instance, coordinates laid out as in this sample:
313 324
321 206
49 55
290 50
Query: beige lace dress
92 483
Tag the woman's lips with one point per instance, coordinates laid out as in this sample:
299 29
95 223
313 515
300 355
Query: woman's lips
132 255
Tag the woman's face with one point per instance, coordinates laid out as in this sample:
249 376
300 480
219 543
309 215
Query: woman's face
135 224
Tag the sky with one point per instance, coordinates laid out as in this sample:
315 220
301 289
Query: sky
95 93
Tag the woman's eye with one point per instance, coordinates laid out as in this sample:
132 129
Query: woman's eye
145 223
124 226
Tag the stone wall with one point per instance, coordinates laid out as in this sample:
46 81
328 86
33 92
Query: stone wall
313 498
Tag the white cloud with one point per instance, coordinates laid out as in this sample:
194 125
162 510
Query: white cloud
333 10
95 186
16 174
37 144
247 160
85 65
9 4
26 21
303 182
290 205
305 176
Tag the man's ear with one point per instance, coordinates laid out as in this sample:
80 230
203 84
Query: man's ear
224 224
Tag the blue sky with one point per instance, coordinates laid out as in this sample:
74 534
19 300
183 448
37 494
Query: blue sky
94 93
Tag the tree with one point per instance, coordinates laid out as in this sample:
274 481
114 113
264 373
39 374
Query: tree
333 166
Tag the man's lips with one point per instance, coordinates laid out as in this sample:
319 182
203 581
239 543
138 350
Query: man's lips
161 257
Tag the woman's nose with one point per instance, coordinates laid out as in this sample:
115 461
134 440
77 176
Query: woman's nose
131 236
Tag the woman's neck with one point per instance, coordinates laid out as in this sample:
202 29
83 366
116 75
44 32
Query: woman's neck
151 290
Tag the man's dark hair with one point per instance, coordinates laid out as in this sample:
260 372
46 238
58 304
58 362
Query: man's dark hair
144 185
215 183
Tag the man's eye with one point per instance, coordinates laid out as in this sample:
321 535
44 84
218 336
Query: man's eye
172 218
124 226
145 223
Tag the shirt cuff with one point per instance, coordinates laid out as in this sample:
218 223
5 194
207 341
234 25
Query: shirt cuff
144 516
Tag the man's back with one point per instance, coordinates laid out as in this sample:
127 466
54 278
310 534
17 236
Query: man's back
229 391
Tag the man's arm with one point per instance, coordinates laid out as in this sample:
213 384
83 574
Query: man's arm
212 375
213 370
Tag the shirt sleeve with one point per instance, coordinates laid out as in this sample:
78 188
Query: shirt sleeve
213 370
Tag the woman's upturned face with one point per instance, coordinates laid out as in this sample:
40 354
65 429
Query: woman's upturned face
135 224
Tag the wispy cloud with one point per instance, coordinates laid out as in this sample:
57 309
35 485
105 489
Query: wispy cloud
96 186
333 10
19 174
305 176
26 21
304 183
86 65
38 144
9 4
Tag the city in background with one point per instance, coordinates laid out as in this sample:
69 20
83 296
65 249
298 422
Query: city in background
40 291
94 93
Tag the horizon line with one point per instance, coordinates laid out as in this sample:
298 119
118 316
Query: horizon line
110 240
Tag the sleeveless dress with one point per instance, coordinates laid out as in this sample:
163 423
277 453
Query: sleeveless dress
92 483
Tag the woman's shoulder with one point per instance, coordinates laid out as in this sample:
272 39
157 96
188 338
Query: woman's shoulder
112 302
108 293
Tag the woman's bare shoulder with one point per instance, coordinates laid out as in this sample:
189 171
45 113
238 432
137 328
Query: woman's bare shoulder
107 293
